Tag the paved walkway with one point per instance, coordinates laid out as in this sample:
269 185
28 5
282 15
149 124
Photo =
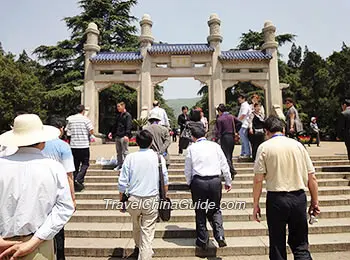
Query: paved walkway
327 148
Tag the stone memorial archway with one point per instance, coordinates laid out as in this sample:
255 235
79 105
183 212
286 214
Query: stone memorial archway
153 63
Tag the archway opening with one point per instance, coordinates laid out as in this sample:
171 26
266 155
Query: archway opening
108 100
179 92
246 88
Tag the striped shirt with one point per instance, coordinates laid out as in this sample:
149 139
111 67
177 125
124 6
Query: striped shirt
78 128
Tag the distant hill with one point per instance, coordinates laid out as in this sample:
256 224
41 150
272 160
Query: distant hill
176 104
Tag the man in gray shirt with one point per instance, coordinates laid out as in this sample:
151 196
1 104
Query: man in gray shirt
161 135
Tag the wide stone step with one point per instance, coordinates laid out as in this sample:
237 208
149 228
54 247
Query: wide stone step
338 168
113 203
234 193
185 247
115 216
237 165
235 185
188 229
178 178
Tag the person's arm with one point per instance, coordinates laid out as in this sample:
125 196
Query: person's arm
166 119
5 244
188 167
250 122
165 175
260 171
123 180
341 126
128 126
245 112
292 121
225 169
71 187
15 249
218 129
166 139
89 127
67 160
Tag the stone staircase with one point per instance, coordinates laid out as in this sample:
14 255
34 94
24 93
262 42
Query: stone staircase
101 233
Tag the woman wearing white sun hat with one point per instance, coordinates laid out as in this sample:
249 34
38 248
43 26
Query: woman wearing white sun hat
28 222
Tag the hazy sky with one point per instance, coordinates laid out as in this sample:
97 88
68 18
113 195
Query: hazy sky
321 24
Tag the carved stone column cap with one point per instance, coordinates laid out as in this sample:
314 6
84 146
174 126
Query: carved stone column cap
92 47
92 28
214 18
146 19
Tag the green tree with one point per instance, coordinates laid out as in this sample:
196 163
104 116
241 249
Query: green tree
65 61
295 57
20 90
254 40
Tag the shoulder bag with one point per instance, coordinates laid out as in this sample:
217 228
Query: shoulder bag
164 208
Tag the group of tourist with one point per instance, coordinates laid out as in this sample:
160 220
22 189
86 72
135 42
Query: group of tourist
44 166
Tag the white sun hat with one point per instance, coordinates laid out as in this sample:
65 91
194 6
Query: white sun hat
28 130
154 115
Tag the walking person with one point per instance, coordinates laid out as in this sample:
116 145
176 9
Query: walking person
121 132
60 151
204 164
157 109
225 133
181 121
243 116
256 129
174 134
35 199
257 100
79 128
140 177
344 125
294 125
161 137
287 169
315 131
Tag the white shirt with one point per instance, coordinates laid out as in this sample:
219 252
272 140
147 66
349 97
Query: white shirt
34 195
245 110
206 158
160 111
78 128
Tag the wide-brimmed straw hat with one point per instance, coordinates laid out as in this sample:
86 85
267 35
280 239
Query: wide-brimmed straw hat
28 130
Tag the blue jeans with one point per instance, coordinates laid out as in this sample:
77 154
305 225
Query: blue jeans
243 133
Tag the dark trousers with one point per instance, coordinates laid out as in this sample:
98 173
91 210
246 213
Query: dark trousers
81 163
287 208
227 142
347 144
174 138
312 135
256 140
207 189
59 245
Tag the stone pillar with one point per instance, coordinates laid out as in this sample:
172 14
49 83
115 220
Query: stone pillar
274 102
216 92
146 40
90 93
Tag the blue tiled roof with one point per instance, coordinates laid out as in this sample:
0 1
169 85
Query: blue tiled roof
164 48
244 55
117 56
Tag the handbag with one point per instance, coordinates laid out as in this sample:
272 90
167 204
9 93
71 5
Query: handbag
164 209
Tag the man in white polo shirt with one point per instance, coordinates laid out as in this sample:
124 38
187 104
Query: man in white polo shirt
243 116
35 199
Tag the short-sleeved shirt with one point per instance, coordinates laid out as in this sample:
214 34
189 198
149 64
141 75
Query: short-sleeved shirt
78 128
245 110
285 164
60 151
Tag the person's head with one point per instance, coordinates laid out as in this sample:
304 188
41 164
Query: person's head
144 139
80 109
195 115
58 123
257 108
289 102
184 110
272 125
155 103
197 132
242 98
255 98
313 119
346 103
121 107
221 109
